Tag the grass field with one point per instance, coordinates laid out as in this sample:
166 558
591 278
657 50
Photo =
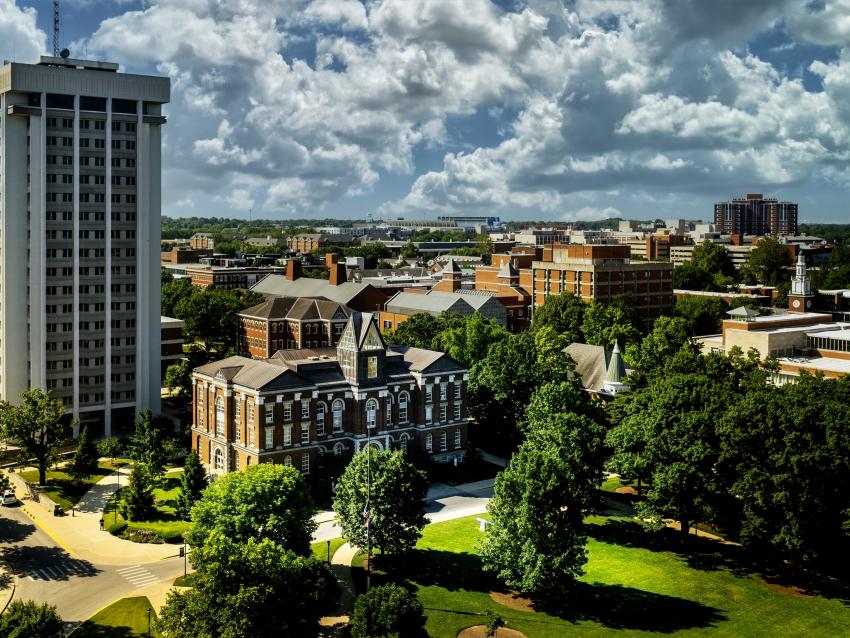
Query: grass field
165 525
637 584
320 548
67 491
126 618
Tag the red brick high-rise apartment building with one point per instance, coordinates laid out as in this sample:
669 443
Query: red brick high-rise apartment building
756 215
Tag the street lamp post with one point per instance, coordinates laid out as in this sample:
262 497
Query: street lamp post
149 622
329 552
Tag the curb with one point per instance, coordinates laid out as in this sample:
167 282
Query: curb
47 530
11 594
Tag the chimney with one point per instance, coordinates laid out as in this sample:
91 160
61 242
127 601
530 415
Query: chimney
338 275
293 269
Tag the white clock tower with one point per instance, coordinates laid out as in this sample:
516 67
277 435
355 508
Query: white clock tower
801 297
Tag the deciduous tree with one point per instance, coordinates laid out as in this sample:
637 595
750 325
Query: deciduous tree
247 586
536 542
564 313
769 262
604 324
28 619
395 508
387 610
36 425
263 502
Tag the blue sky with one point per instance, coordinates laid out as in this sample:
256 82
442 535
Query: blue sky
534 109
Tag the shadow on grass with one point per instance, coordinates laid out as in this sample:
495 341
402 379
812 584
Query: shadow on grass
619 607
706 554
90 630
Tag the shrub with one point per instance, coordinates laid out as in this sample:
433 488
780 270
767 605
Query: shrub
388 610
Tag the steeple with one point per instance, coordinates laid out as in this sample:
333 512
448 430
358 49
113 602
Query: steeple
615 376
800 298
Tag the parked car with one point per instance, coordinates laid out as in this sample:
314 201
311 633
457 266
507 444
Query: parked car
8 498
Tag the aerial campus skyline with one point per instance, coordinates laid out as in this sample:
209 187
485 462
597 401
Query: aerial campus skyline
536 110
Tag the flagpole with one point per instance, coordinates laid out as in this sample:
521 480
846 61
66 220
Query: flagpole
368 513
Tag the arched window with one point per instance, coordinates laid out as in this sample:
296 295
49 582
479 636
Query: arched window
219 459
321 409
429 443
287 461
389 409
338 407
219 416
371 413
403 400
402 443
338 449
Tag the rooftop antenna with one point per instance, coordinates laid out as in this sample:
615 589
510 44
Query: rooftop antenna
56 24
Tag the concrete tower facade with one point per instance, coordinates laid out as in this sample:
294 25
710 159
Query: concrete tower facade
80 184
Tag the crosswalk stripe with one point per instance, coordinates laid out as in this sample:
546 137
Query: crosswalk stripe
127 570
48 572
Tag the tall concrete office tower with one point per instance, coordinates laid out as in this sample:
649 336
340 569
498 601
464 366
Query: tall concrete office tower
79 237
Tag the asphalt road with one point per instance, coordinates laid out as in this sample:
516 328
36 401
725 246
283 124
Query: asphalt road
47 573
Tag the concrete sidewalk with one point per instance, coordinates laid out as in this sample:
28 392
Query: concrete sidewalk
79 532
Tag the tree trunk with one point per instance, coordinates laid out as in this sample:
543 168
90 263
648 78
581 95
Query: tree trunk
686 526
42 472
639 486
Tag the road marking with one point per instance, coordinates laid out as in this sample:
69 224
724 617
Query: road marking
138 576
47 530
65 569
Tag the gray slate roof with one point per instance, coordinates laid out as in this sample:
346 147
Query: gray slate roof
279 286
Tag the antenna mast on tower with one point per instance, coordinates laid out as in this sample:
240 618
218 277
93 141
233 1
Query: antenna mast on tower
56 24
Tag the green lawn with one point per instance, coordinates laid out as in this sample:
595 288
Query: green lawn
63 489
165 524
320 548
637 584
126 618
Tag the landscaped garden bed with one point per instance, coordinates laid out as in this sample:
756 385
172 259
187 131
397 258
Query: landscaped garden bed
127 618
164 526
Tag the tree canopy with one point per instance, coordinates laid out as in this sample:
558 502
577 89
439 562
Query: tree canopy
769 262
387 610
263 502
28 619
396 504
536 541
85 461
564 313
37 425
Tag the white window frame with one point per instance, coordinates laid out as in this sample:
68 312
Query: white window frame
321 410
429 442
444 391
444 441
287 434
219 459
458 387
429 394
305 463
305 432
338 414
219 416
389 418
287 411
403 400
372 414
287 460
429 415
270 413
456 411
444 413
269 440
305 409
458 439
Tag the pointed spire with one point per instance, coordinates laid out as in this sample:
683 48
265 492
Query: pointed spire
616 368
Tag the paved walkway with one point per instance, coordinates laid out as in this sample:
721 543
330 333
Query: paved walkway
79 531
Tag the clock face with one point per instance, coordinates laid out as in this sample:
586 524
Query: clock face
796 303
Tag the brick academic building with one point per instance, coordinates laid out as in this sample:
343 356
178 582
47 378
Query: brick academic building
299 404
602 272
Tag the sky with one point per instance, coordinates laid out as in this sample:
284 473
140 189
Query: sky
524 109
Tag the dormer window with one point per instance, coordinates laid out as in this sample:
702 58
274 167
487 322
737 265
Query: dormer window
372 367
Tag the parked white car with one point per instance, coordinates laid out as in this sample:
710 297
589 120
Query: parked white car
8 498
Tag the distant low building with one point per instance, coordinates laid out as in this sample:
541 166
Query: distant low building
203 241
298 405
185 255
229 277
308 242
